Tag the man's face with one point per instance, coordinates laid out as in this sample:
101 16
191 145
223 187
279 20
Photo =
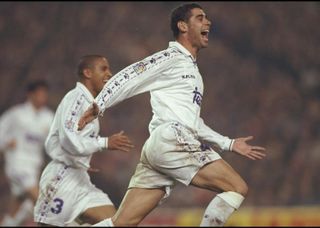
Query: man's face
39 97
100 74
198 28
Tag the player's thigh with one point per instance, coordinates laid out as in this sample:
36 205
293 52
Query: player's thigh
96 214
219 175
137 204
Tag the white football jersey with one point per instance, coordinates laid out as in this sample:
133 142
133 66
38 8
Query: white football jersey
65 143
176 88
29 128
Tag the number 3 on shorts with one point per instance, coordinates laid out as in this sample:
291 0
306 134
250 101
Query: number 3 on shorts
58 207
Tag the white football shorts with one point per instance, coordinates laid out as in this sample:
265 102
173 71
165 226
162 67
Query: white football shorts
64 194
171 153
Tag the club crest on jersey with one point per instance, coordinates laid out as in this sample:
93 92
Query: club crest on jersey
139 68
197 97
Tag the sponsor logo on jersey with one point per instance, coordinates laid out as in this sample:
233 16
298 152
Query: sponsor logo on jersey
197 97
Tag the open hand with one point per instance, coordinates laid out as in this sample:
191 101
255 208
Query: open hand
88 116
119 141
253 152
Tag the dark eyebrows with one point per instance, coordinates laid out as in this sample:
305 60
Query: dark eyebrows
201 16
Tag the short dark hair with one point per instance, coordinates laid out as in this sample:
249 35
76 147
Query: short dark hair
86 62
181 13
35 84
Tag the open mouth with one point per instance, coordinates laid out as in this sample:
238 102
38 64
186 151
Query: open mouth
205 33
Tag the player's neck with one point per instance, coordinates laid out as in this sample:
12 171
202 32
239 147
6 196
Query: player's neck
187 45
35 106
89 86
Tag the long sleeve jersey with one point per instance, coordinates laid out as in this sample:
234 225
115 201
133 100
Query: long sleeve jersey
65 143
29 128
176 88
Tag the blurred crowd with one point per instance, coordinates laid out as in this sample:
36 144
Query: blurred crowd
261 73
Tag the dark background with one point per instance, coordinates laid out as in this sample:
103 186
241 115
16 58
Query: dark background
261 75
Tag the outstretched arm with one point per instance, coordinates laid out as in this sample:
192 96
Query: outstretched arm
238 145
149 74
207 134
241 146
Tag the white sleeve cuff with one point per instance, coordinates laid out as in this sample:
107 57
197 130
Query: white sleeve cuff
227 143
231 145
103 142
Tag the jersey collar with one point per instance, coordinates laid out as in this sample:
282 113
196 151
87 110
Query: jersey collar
86 92
185 51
